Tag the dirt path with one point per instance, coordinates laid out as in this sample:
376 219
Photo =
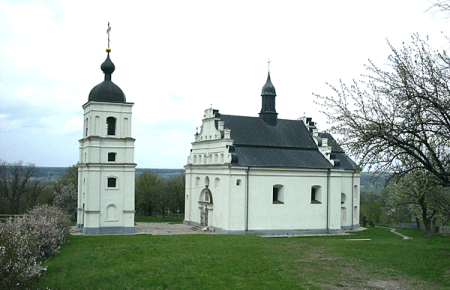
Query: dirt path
157 229
394 231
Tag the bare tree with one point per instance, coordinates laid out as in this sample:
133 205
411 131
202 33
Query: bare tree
440 6
401 114
18 189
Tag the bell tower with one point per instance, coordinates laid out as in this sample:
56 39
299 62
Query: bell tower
106 168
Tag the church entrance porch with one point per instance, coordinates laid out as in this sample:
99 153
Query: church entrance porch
205 205
204 217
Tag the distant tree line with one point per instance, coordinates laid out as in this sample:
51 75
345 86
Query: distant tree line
21 189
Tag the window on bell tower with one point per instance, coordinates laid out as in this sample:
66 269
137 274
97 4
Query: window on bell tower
111 182
111 126
112 156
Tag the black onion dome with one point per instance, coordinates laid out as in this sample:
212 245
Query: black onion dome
268 89
108 66
107 91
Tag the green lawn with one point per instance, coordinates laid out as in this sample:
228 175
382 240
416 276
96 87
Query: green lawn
251 262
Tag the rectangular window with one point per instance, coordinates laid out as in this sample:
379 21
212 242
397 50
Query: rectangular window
277 194
111 156
111 126
111 182
343 214
315 194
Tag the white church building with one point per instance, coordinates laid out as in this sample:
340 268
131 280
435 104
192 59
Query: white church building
267 175
106 168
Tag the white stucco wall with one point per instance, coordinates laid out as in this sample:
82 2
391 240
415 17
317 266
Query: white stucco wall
296 212
99 206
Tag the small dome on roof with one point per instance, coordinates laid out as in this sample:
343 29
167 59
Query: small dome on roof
107 91
268 89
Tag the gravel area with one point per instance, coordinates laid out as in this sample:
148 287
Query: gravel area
160 229
182 229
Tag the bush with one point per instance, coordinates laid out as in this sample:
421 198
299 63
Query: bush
26 242
51 227
19 256
364 221
65 197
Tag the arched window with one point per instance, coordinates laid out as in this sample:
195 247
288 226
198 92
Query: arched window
86 126
111 212
96 126
216 182
111 126
206 196
343 198
206 181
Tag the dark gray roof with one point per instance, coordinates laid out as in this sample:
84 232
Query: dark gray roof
254 131
338 152
280 157
107 91
346 162
286 145
335 148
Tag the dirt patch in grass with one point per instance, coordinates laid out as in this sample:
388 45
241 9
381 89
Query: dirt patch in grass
329 271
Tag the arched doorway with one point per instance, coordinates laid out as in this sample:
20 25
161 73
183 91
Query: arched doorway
205 205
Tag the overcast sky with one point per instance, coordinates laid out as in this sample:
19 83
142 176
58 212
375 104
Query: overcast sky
174 59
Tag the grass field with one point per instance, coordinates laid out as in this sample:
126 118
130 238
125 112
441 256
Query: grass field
251 262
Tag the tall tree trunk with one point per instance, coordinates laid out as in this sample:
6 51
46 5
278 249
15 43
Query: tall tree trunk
426 222
427 225
418 223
